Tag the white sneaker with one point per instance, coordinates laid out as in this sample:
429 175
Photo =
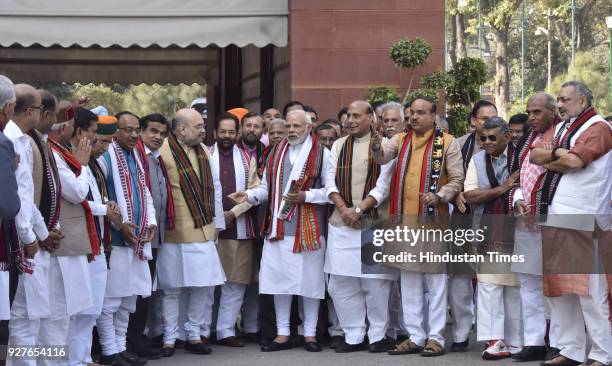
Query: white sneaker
513 349
495 350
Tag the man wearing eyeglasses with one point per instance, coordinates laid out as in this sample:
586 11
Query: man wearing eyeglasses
488 186
32 303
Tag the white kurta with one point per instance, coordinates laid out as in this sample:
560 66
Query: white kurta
283 272
189 265
5 306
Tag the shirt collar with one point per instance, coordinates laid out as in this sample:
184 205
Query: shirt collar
13 130
156 154
504 154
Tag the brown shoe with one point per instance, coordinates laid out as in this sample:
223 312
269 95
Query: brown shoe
230 342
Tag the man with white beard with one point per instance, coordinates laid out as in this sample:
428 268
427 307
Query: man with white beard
294 247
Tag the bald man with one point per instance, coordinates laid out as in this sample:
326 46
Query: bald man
188 261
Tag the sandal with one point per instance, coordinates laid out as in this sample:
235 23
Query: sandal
432 349
405 348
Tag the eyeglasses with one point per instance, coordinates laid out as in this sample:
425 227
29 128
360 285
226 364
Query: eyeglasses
40 107
491 138
130 130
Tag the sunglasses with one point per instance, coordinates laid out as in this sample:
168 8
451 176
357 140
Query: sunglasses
491 138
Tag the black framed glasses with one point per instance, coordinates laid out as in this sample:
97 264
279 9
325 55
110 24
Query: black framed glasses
129 130
40 107
491 138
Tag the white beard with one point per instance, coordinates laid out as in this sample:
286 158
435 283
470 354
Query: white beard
297 141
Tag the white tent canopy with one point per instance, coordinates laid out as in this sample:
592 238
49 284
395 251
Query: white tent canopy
143 23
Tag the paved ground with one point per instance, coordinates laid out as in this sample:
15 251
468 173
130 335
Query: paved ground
252 356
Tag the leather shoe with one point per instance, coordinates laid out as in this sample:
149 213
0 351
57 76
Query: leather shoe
562 361
197 348
312 347
275 346
230 342
251 337
336 341
167 351
459 346
552 353
132 358
379 347
346 348
530 353
113 360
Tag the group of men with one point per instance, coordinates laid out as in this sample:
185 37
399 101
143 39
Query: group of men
133 226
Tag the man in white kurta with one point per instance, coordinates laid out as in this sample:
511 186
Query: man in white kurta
187 262
358 297
128 274
81 324
237 172
290 266
31 303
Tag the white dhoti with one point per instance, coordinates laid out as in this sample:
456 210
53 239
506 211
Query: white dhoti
193 269
417 311
461 301
499 314
573 313
81 324
5 305
284 272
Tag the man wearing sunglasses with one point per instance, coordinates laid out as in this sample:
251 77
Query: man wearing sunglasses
488 186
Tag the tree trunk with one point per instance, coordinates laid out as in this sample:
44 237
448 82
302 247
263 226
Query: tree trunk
581 21
452 43
502 77
461 48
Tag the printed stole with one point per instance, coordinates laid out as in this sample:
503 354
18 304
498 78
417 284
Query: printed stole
263 161
467 150
546 185
344 175
75 166
245 160
51 192
307 236
431 171
125 179
170 211
199 193
101 182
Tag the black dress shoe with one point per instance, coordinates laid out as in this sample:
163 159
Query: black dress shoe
275 346
157 342
346 348
552 353
565 362
459 346
298 341
113 360
148 352
179 343
197 348
133 359
336 341
312 347
252 337
167 351
379 347
530 353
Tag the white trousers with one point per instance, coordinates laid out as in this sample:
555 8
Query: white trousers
572 313
332 317
198 297
24 331
250 312
533 305
499 314
80 337
232 295
282 307
354 299
461 300
424 319
113 323
208 303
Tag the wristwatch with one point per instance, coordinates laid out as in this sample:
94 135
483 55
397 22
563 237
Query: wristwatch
358 209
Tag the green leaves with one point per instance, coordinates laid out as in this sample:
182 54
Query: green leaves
382 94
408 53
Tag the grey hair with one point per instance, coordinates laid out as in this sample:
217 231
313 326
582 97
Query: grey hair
581 89
300 112
551 103
277 121
178 121
392 105
497 122
7 91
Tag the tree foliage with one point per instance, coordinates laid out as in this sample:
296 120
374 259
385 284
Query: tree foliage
382 94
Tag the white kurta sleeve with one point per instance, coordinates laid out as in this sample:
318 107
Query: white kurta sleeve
259 194
74 189
319 195
330 173
219 217
383 183
24 218
518 195
151 220
97 209
471 178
